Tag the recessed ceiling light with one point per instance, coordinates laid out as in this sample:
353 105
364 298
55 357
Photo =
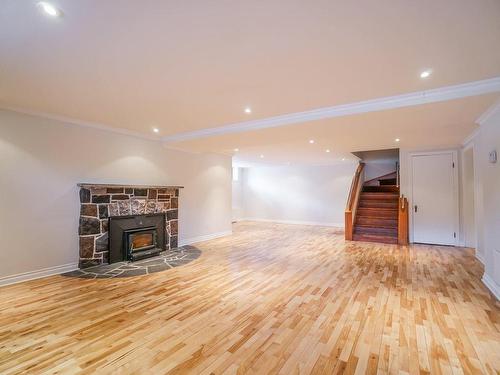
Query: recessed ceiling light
236 149
425 73
262 156
397 140
248 110
311 141
156 130
343 159
327 150
49 9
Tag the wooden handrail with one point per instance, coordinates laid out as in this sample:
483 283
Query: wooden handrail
403 217
398 177
352 201
354 185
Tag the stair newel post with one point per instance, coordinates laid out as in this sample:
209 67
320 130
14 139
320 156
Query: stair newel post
348 225
403 221
397 174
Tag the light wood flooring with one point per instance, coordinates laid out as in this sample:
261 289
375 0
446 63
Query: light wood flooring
270 299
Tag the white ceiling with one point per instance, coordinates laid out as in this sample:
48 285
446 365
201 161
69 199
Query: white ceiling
190 65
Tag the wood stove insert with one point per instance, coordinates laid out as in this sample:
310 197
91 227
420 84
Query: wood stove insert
135 237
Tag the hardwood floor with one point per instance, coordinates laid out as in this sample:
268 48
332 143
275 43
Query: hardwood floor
270 299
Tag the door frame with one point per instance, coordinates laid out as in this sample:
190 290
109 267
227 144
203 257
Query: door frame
469 147
456 205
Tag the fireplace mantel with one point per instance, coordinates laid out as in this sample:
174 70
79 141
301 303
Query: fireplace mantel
90 184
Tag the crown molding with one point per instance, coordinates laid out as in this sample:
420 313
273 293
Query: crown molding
470 137
85 124
493 109
373 105
270 164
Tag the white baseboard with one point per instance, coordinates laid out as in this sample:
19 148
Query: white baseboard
37 274
479 257
192 240
295 222
492 285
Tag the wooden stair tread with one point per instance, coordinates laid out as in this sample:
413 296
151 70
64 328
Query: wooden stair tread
377 212
375 238
376 220
378 204
379 196
391 232
387 181
383 222
382 188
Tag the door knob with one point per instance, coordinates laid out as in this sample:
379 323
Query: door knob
416 208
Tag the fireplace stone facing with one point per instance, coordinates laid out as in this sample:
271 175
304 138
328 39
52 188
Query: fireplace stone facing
99 202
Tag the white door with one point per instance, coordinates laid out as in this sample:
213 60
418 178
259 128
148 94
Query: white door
434 199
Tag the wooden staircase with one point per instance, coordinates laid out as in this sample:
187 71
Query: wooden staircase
377 214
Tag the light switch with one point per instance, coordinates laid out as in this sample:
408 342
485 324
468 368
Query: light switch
493 156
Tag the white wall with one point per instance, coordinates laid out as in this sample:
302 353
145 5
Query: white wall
237 201
309 195
42 160
487 202
375 169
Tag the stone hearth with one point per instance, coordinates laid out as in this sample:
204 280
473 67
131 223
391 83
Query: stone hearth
168 259
99 202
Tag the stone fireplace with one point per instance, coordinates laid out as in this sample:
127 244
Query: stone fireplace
99 203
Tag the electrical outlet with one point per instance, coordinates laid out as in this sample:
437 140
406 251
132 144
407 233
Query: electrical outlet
493 156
